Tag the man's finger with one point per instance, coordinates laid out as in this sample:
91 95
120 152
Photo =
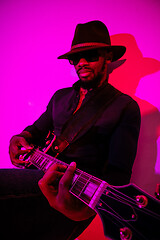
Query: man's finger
66 180
49 183
18 163
25 144
57 167
53 175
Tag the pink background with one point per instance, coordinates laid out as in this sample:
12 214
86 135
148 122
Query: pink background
32 35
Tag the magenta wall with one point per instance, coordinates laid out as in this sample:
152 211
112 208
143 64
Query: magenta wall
32 35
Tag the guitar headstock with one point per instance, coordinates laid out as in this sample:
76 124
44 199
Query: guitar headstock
128 212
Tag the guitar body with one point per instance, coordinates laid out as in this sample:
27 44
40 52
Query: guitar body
121 210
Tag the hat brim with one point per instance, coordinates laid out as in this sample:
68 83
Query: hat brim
118 51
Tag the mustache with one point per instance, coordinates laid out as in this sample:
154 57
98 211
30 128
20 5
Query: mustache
84 68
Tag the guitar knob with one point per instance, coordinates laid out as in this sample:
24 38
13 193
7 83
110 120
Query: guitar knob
125 233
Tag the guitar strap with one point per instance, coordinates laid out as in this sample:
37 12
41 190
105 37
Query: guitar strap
79 123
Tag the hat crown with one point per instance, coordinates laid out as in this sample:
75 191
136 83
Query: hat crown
94 31
93 35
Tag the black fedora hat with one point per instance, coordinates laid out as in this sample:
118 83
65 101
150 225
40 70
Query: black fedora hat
93 35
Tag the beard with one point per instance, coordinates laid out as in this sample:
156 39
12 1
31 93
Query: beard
90 84
95 82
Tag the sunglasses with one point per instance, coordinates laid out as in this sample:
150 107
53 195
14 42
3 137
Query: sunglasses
89 56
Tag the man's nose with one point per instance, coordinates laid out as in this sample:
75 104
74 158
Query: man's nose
82 62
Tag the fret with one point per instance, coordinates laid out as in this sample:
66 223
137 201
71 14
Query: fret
37 159
48 165
34 158
45 161
83 181
48 157
75 179
97 194
84 186
42 160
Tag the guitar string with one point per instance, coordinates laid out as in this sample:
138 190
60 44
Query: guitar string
77 170
51 158
144 210
43 161
63 163
120 219
127 222
120 199
58 161
124 198
123 202
129 199
134 202
116 215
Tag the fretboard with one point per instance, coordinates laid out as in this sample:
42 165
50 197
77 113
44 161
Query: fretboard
84 186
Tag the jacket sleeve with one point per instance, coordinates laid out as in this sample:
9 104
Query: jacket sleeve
123 146
40 128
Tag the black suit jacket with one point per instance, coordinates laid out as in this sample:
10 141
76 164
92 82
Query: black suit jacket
108 149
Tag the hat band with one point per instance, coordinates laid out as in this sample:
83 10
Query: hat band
90 44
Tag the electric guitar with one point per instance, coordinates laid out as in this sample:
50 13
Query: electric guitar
127 212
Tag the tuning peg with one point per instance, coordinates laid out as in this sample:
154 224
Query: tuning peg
125 233
142 201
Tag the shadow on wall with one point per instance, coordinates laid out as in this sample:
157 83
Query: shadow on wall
126 75
126 78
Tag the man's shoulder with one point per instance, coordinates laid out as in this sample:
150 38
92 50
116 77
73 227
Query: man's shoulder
63 94
129 104
123 96
127 97
63 91
126 101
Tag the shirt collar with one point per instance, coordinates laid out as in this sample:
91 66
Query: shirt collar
77 86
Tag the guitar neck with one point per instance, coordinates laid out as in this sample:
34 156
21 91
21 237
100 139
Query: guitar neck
84 186
125 211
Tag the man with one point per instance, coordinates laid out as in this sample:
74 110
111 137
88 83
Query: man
107 147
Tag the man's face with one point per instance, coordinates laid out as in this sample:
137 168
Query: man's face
90 65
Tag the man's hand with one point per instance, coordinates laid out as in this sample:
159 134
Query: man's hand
55 185
19 146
